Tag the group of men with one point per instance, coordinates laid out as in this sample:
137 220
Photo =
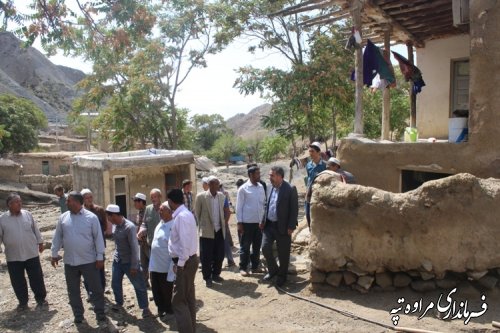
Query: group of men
160 247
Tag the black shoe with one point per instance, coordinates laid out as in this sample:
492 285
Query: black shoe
268 277
22 307
217 278
208 283
41 304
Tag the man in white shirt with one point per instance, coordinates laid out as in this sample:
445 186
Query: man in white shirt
22 240
161 264
182 246
250 209
209 210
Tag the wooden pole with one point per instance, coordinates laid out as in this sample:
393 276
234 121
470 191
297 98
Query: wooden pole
386 107
358 113
413 96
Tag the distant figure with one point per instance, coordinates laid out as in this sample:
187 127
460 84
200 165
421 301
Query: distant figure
187 187
59 191
281 221
209 210
183 246
161 264
313 168
140 205
126 261
146 233
79 232
22 240
333 164
204 183
250 209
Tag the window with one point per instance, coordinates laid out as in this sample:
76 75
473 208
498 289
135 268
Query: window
460 86
411 179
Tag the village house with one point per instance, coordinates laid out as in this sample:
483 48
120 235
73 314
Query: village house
114 178
456 43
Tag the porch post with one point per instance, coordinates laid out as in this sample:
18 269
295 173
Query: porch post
386 106
358 115
413 96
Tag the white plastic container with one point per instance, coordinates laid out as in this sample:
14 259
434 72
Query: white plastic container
457 129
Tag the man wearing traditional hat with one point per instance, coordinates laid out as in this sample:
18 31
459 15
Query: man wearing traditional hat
209 210
333 164
126 260
315 165
140 205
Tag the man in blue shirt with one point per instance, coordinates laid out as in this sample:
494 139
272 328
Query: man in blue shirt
313 168
79 232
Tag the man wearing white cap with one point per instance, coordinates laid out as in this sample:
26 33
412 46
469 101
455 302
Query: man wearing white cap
204 183
333 164
126 260
209 211
313 168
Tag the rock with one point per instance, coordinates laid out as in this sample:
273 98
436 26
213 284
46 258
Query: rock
302 238
384 279
476 275
427 276
299 264
355 269
66 323
427 265
317 276
446 283
334 279
488 281
366 281
349 277
423 286
401 280
359 288
413 273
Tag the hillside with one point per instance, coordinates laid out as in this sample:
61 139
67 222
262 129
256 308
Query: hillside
27 73
248 125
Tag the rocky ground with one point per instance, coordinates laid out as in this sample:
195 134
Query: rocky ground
246 303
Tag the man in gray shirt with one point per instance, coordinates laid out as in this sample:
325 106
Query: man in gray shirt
22 239
126 260
79 232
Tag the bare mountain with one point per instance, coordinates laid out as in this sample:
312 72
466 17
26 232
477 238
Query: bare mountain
27 73
248 125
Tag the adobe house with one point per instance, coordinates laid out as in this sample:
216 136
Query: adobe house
457 48
48 163
116 177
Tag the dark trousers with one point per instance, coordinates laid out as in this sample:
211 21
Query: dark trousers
184 299
283 244
212 255
145 253
162 291
252 236
35 276
102 278
90 274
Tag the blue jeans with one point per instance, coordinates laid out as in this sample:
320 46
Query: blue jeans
120 269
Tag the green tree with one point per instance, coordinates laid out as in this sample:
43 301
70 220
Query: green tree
225 146
207 129
272 147
142 53
21 120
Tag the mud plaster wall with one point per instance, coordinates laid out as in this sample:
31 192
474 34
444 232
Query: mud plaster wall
449 224
32 165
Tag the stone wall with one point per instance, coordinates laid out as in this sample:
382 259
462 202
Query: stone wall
43 183
362 233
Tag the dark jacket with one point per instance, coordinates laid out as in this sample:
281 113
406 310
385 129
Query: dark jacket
287 207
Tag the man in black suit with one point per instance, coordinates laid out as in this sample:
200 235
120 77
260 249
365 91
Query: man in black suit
280 222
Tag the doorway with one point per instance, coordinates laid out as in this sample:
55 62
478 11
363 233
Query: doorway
121 193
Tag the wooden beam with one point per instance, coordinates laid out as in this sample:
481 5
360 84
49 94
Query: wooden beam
319 19
386 94
325 21
358 112
304 7
378 14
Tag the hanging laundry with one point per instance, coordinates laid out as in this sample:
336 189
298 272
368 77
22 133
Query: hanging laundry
410 72
373 63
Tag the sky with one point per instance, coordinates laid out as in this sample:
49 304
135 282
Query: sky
208 90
